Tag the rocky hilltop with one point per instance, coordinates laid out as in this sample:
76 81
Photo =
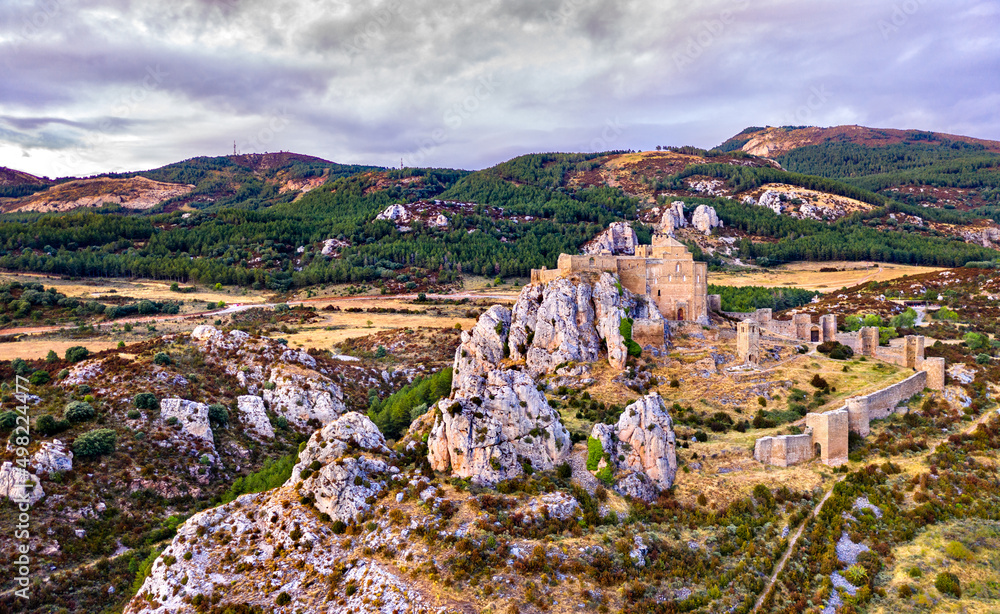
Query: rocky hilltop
136 193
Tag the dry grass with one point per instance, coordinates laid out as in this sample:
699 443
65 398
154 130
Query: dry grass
34 349
138 289
979 576
807 275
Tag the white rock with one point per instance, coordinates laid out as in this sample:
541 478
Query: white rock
18 485
618 239
673 218
705 219
301 395
193 417
253 415
52 456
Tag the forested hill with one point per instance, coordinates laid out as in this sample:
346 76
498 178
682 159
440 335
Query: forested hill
286 220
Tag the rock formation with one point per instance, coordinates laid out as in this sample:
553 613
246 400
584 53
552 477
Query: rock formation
18 485
640 448
342 485
301 395
705 219
618 239
253 416
570 319
673 218
193 417
52 456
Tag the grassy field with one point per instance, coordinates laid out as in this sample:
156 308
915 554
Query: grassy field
139 289
970 549
807 275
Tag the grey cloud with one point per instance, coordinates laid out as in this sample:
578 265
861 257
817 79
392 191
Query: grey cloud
374 80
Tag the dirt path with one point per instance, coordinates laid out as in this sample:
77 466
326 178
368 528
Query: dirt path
791 548
798 533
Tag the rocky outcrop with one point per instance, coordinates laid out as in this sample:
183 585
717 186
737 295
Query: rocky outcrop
301 395
705 219
394 213
573 320
673 218
193 417
51 457
770 199
640 448
619 239
18 485
494 425
343 485
254 416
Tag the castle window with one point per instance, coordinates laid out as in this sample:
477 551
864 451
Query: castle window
678 267
657 293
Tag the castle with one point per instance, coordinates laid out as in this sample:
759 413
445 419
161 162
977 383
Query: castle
664 272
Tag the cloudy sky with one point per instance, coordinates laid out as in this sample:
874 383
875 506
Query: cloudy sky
98 85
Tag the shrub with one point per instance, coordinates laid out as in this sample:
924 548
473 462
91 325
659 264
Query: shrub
47 425
702 499
594 453
146 400
856 575
95 443
76 353
605 475
8 420
217 413
958 551
133 414
78 411
283 599
982 359
947 584
63 374
915 572
162 359
52 356
818 382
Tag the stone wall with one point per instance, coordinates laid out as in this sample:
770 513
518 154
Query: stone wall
785 450
830 430
714 302
648 332
935 373
882 403
748 343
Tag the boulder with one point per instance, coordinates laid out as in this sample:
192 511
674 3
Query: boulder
673 218
705 219
193 417
618 239
254 416
301 395
487 430
343 485
394 213
641 443
18 485
482 348
52 456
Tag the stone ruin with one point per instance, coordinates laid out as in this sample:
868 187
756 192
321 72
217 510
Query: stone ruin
826 435
748 343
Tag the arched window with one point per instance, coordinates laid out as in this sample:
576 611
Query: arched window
678 268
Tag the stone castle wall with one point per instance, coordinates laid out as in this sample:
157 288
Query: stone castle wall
785 450
830 430
649 332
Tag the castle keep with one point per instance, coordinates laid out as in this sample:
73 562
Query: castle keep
664 272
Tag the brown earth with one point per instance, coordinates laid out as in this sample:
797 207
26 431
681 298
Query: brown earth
773 142
135 193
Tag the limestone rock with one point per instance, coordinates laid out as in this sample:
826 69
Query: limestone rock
482 348
193 417
342 485
301 395
642 443
705 219
253 415
394 213
18 485
493 425
439 222
618 239
673 218
52 456
565 320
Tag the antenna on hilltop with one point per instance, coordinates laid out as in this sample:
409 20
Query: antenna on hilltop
234 148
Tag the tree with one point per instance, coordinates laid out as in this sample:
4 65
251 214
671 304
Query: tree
76 353
218 413
95 443
52 356
146 400
78 411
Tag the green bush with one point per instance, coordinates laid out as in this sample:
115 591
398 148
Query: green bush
162 359
146 400
47 425
273 474
605 475
52 356
133 414
218 413
983 359
947 584
78 411
394 414
283 599
8 420
40 378
625 328
76 353
594 453
95 443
